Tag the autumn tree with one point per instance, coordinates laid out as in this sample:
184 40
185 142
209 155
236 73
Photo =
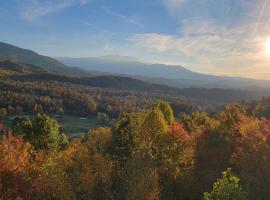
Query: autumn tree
230 117
14 161
212 154
90 169
80 171
144 185
166 147
177 164
91 105
251 158
153 128
166 110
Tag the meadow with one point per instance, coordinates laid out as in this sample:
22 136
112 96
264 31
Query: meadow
71 125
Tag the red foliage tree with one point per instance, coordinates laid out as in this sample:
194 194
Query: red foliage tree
14 159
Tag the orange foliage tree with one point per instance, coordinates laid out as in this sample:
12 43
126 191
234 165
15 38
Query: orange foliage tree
14 160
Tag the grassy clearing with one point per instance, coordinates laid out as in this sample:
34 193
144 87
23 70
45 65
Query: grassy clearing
69 124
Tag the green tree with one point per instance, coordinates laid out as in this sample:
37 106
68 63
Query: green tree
226 188
198 122
43 133
125 135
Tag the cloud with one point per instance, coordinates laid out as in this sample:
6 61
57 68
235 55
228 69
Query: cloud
32 10
214 36
211 44
122 17
222 11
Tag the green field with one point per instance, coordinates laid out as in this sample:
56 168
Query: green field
69 124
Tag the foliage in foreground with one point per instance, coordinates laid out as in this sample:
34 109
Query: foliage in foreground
147 155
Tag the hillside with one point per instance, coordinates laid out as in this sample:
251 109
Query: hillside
10 67
171 75
30 57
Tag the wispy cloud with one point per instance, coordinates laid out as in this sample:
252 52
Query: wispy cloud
32 10
123 17
260 17
215 35
207 43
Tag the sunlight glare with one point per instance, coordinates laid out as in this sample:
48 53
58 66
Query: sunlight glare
268 46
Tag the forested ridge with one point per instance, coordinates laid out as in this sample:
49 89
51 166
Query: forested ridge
145 155
61 97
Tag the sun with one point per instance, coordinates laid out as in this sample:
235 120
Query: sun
268 46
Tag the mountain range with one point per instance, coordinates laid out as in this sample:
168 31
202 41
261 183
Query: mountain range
170 75
124 73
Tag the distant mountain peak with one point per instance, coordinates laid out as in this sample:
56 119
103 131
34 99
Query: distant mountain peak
119 58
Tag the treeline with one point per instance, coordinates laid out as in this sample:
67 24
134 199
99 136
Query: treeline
213 96
146 155
61 97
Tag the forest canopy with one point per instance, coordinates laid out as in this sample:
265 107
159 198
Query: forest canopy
145 155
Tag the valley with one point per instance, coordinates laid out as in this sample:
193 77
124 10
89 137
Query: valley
134 100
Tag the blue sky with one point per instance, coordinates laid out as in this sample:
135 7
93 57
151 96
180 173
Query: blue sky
212 36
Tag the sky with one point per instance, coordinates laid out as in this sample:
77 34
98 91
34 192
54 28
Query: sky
223 37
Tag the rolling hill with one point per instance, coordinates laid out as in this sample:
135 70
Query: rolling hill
11 67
